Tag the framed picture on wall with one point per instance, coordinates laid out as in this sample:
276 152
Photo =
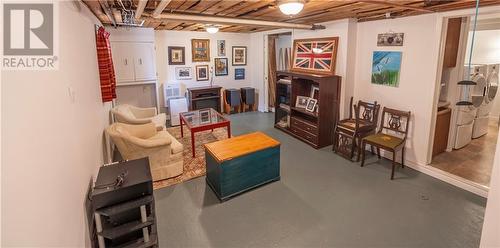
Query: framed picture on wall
315 55
221 48
183 73
221 67
201 72
390 39
176 55
386 67
239 73
239 55
200 49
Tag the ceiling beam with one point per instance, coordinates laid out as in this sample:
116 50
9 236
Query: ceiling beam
232 21
107 11
161 6
396 5
140 8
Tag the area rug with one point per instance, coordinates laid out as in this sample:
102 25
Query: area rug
193 167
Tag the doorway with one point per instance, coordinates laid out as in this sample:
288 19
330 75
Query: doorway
279 48
467 120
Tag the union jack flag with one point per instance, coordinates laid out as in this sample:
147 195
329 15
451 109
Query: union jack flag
315 55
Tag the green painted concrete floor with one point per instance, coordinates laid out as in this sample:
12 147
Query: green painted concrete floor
322 200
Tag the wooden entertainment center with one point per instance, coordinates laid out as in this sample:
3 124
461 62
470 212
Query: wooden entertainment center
314 128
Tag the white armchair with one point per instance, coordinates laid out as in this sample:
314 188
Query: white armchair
144 140
129 114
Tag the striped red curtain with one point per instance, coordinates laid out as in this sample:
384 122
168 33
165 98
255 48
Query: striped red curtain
106 70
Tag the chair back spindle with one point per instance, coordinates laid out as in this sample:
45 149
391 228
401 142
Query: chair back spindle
396 121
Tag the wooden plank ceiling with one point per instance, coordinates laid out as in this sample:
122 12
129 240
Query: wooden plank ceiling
315 11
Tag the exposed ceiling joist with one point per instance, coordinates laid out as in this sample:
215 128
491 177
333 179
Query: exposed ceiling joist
233 21
161 6
267 11
107 10
140 8
393 4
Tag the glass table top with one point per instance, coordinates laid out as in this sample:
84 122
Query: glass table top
202 117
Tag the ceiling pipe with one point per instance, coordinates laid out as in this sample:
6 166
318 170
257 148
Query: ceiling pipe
161 6
140 8
233 21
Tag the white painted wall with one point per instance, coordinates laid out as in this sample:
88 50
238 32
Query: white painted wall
491 225
52 145
418 74
166 72
486 47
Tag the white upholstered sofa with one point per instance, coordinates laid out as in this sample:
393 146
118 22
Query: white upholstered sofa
144 140
129 114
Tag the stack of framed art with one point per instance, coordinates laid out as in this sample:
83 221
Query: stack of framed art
200 52
309 103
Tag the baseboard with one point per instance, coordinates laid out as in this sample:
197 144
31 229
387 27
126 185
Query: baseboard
444 176
454 180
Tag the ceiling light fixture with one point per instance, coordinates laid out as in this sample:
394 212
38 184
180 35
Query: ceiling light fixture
291 7
212 29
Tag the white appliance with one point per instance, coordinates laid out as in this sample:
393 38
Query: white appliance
465 123
177 106
466 115
487 80
170 91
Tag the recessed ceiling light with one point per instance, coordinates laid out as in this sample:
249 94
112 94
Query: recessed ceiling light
291 7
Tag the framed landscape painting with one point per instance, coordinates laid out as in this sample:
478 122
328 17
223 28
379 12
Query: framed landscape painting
315 55
386 67
200 49
221 67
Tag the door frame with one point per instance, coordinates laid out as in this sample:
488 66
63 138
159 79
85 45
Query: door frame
266 62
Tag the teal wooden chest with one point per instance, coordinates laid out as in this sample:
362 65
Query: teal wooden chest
242 163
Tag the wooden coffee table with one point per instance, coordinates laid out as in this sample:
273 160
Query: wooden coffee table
202 120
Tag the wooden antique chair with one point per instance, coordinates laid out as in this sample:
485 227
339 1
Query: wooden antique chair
349 132
391 135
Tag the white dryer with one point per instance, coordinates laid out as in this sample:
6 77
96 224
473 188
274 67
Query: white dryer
488 84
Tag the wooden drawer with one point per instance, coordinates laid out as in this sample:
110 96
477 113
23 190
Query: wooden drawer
300 124
304 134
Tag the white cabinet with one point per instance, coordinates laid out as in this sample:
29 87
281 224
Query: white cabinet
123 62
133 61
144 62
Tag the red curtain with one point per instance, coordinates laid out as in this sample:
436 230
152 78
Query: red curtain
106 70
